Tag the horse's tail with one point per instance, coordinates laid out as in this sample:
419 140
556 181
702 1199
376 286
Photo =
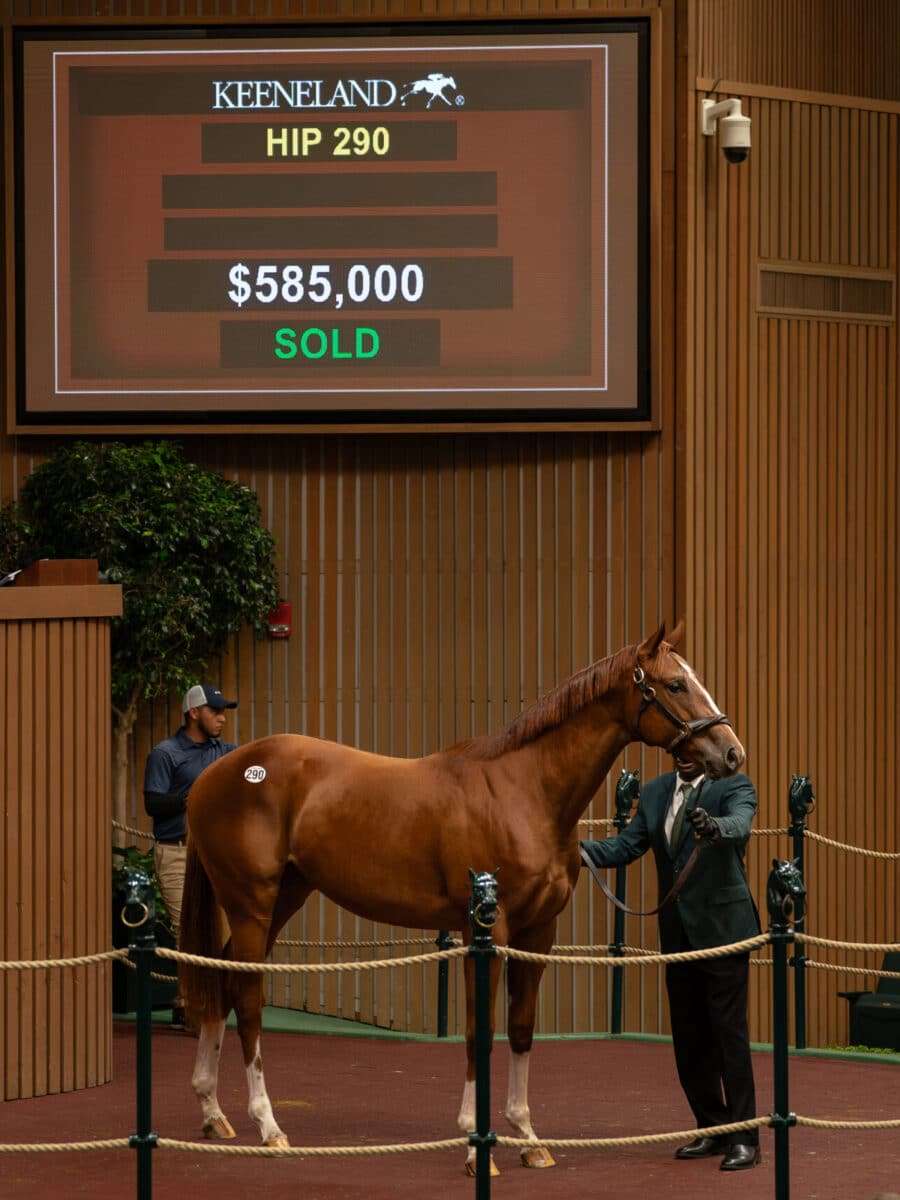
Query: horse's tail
203 988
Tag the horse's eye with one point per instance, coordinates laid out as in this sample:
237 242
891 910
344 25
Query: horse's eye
675 686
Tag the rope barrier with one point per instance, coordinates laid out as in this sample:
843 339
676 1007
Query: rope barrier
40 964
643 1139
811 962
683 956
298 968
817 837
874 946
635 955
310 1151
647 1139
148 837
64 1147
360 945
814 1123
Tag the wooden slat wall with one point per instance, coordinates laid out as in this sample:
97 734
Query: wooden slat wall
791 503
55 793
439 584
848 47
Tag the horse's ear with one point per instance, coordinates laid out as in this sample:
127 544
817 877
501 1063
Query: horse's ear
650 645
674 638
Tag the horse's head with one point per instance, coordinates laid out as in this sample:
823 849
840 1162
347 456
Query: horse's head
673 709
785 889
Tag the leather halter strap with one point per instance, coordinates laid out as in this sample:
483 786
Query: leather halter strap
686 729
667 899
673 890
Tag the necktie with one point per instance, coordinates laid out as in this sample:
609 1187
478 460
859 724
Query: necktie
687 791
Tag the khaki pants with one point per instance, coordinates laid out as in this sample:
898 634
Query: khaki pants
169 863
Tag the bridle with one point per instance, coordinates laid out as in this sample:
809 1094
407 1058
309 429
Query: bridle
686 729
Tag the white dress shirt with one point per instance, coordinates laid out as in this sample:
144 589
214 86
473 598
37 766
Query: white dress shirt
678 801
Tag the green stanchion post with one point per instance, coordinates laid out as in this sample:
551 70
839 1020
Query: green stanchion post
801 802
482 915
139 914
443 942
628 789
785 888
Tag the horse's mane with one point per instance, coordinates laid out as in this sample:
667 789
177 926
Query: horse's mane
552 709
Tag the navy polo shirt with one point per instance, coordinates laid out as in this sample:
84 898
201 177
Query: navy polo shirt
172 766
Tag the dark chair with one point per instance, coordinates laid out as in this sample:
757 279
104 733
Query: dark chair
875 1016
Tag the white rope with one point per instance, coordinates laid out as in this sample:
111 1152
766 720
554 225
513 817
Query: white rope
817 837
649 959
876 947
227 964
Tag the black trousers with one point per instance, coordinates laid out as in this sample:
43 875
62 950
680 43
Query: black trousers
708 1010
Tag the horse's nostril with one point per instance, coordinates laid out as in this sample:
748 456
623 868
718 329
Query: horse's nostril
733 757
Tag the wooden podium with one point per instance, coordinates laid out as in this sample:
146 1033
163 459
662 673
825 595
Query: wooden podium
55 860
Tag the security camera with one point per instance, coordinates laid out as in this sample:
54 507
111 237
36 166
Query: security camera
733 126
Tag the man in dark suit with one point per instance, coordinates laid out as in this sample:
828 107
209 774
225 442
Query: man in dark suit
714 907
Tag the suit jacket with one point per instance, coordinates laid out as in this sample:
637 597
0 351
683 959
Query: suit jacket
714 907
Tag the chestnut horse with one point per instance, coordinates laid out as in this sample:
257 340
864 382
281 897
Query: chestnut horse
393 840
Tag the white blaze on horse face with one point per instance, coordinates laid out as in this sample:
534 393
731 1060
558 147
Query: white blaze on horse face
694 678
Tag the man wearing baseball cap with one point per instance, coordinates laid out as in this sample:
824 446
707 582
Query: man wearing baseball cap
172 767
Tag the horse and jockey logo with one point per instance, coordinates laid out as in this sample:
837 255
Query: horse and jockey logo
434 86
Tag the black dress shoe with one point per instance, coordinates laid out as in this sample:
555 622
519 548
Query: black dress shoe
702 1147
739 1158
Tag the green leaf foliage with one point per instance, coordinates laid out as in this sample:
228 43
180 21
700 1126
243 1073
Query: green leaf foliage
187 546
15 550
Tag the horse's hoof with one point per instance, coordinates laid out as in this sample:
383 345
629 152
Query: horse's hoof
470 1168
218 1129
278 1142
540 1156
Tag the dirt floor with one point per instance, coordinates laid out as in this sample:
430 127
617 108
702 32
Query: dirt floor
334 1090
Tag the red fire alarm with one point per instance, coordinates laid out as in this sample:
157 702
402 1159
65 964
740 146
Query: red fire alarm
278 621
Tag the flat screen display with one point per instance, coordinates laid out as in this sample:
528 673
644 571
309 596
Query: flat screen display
351 228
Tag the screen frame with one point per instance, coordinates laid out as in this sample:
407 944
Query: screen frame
648 334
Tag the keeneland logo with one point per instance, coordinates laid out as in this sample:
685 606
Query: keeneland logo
318 93
434 86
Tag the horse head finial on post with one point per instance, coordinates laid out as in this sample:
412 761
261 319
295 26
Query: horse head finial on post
784 891
483 905
139 905
801 800
628 789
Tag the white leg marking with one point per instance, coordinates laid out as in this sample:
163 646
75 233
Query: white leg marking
466 1120
517 1111
206 1070
260 1108
519 1115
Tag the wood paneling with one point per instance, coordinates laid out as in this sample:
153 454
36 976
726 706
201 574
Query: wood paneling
793 541
439 584
55 793
840 46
